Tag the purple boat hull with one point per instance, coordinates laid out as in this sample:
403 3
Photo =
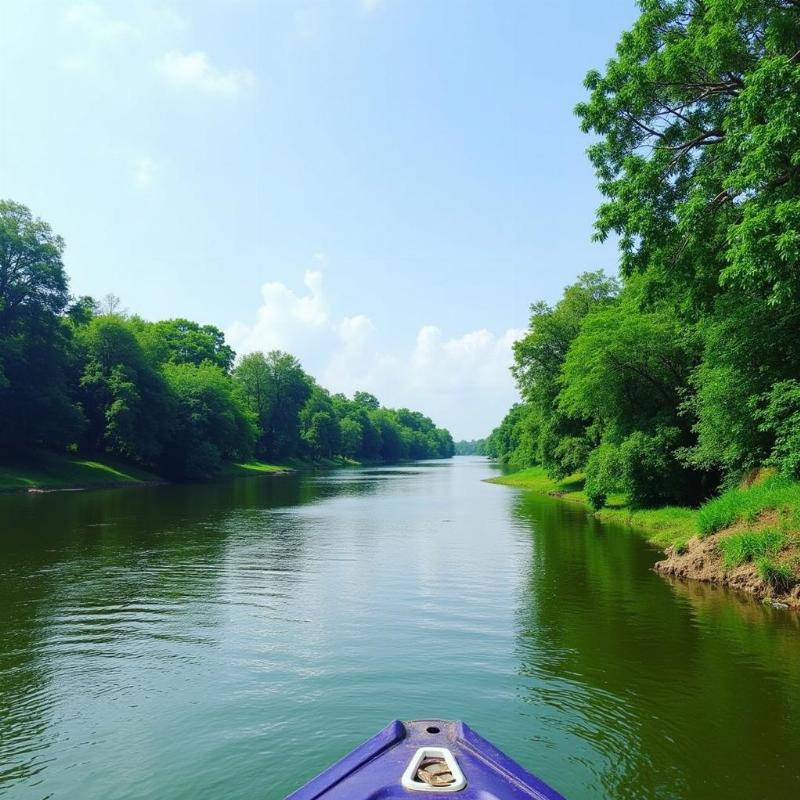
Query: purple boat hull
373 771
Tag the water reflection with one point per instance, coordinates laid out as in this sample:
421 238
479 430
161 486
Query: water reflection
650 699
180 641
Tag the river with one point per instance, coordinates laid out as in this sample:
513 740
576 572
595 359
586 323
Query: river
231 640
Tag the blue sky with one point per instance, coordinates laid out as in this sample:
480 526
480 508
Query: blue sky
380 186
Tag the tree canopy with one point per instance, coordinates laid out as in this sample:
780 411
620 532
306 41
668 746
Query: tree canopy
84 375
686 374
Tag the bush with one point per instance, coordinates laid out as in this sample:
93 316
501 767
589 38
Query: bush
603 471
651 475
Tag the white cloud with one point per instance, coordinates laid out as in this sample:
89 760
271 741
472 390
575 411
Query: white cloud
462 382
195 71
93 20
143 173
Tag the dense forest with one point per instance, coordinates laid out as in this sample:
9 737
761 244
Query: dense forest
471 447
683 375
84 377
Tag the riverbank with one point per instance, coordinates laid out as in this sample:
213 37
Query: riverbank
748 538
48 472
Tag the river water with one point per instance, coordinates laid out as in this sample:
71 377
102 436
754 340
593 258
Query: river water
232 640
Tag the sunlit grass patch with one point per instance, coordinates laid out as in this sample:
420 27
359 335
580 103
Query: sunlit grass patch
51 471
747 505
750 546
779 576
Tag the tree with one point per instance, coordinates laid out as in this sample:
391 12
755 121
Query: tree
79 374
696 120
321 434
209 424
181 341
36 405
126 400
366 400
351 436
319 429
32 279
275 388
540 431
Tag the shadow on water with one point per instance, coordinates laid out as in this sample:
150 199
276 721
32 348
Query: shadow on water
651 697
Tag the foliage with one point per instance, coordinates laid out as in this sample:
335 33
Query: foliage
472 447
275 388
125 399
685 378
781 419
208 424
602 475
181 341
164 395
37 405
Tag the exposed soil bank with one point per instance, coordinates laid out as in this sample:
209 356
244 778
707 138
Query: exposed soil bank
702 559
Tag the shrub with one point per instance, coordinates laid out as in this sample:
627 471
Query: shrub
603 471
651 475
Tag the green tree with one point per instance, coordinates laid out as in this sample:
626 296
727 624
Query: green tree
209 424
351 436
126 400
540 431
366 400
32 279
696 154
275 388
36 405
181 341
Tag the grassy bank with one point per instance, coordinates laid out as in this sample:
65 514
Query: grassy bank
666 526
253 468
46 471
50 472
747 538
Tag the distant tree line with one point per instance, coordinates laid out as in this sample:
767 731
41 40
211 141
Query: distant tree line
685 375
77 375
472 447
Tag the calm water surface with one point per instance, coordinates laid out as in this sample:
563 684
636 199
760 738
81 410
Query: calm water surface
232 640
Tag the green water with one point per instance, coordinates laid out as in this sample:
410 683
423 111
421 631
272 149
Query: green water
230 641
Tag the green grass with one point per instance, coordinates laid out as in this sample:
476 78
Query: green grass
750 546
773 502
779 576
50 471
670 525
746 505
251 468
536 479
665 527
